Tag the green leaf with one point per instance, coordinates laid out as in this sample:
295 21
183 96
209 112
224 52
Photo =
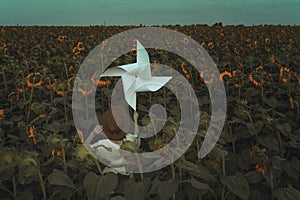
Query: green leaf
268 141
54 127
237 185
137 190
289 193
276 162
58 177
272 102
37 108
6 172
285 129
288 168
26 174
295 164
168 188
54 141
251 92
25 195
98 187
253 176
196 170
197 184
254 129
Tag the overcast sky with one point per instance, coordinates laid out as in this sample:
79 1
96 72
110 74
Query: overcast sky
148 12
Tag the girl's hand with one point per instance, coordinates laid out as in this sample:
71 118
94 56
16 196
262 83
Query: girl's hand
98 129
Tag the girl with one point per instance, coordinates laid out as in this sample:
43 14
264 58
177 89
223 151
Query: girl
108 147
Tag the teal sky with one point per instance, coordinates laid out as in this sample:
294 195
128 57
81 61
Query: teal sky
148 12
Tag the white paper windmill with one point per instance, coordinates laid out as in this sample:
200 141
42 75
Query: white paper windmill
137 77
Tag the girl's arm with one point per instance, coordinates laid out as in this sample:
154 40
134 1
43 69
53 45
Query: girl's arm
135 117
136 128
97 130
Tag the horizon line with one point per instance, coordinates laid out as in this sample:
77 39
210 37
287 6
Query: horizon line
139 25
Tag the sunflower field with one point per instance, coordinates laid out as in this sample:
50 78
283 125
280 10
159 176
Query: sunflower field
42 155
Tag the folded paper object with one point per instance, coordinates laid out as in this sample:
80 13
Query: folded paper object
137 77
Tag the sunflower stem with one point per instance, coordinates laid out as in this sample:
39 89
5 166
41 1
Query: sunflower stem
97 164
173 175
65 107
271 183
231 133
42 183
29 106
15 187
4 79
224 173
140 167
64 160
51 95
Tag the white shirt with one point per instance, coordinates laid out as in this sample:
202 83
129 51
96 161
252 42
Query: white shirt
106 149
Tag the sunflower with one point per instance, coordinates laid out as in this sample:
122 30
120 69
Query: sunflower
185 40
260 161
31 79
58 153
78 48
261 168
99 82
267 40
254 81
61 88
2 112
281 74
185 71
32 135
158 51
225 73
61 37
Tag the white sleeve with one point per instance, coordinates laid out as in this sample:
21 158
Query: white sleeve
134 139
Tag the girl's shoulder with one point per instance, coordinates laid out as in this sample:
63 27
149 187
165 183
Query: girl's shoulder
105 143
